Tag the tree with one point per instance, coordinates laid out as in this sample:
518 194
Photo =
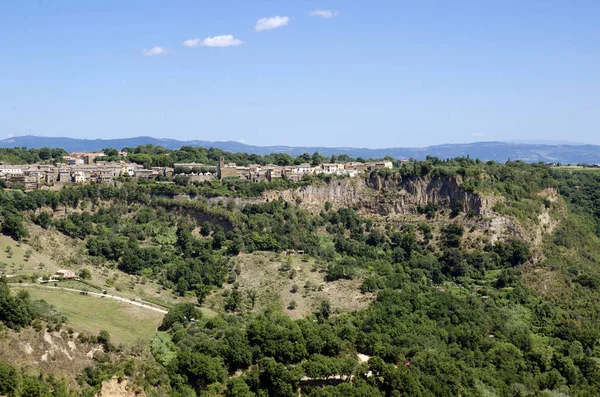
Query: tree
236 350
506 356
45 153
13 226
453 234
15 311
27 255
44 219
321 367
202 292
279 380
513 252
110 152
104 339
317 159
237 387
276 335
234 301
33 386
219 239
200 369
252 295
182 313
9 380
234 247
325 310
185 239
457 208
181 180
85 274
163 349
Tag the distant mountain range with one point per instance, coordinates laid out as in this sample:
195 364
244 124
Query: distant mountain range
498 151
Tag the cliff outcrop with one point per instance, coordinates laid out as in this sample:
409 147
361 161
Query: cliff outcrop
387 196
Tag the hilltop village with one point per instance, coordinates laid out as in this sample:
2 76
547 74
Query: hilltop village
256 172
75 168
82 168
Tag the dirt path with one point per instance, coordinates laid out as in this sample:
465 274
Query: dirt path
96 294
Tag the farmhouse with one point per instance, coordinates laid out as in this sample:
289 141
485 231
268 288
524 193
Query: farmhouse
64 274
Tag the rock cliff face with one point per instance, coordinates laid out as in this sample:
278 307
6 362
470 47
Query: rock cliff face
387 196
340 193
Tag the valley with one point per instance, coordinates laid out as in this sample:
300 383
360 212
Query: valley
420 264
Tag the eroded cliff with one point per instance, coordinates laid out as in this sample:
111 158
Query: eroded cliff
387 196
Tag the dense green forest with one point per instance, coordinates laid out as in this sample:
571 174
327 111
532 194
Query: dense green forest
150 155
450 318
157 156
30 156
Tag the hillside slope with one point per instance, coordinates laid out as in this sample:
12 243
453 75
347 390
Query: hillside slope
456 278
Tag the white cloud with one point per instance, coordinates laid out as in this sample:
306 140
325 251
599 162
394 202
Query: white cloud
271 23
479 134
192 43
217 41
153 51
221 41
324 13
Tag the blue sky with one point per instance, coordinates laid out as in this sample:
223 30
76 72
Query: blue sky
366 73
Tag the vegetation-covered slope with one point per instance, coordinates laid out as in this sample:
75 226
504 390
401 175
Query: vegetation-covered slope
485 281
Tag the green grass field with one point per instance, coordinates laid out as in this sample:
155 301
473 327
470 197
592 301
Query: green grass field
125 323
578 169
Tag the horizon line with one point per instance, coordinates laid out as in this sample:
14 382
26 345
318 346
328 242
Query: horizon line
524 142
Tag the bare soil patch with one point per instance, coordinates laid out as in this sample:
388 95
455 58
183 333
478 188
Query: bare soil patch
56 353
116 387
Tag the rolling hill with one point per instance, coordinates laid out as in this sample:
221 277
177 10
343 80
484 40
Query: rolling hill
498 151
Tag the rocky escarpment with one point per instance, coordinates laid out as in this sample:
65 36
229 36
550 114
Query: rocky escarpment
405 195
340 193
387 196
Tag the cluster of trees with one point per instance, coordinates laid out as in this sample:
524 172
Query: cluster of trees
19 311
150 155
16 312
30 156
13 383
582 189
421 341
